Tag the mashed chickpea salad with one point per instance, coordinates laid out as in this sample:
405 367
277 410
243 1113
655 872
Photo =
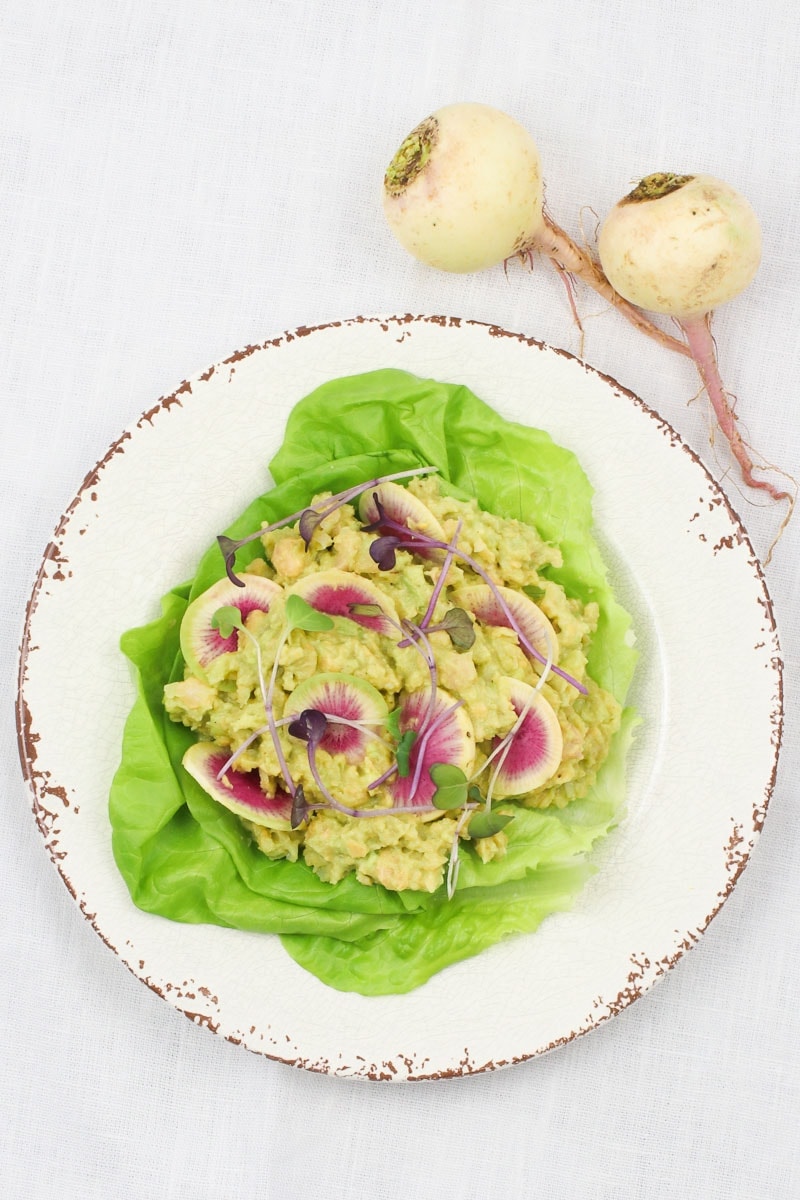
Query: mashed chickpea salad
386 720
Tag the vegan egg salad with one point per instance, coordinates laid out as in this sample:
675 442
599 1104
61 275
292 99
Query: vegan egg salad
394 678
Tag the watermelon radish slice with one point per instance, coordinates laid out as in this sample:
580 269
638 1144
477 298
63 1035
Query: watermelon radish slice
237 790
536 747
448 737
402 506
334 592
479 599
200 644
343 696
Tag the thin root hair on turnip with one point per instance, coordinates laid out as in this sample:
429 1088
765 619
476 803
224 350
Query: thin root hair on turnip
681 245
464 192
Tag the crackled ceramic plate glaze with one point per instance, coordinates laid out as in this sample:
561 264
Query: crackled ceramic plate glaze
708 688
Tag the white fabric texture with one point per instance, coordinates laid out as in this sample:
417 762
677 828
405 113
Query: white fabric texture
182 178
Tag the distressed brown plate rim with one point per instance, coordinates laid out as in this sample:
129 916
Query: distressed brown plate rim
51 802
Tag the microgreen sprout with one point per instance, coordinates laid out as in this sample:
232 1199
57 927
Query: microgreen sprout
403 752
298 615
226 766
301 809
459 627
429 729
452 786
308 517
414 636
403 538
226 619
383 551
503 748
454 790
229 618
418 636
440 582
361 726
393 723
454 865
310 727
487 824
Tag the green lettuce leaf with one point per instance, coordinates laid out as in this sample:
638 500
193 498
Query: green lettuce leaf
187 858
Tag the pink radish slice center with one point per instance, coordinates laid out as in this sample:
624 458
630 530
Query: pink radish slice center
445 745
489 610
215 644
529 746
336 602
339 700
245 789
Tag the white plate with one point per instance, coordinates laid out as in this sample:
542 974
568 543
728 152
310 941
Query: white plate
709 689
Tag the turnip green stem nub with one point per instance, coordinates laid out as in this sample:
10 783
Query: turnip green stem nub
414 152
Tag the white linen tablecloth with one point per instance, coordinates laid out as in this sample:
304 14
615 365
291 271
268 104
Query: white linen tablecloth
183 177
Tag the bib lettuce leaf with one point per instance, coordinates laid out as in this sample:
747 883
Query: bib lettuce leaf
187 858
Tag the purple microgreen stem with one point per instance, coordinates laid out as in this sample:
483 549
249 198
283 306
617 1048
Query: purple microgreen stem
440 582
452 550
362 728
342 808
419 635
413 636
387 774
333 719
501 751
229 546
408 539
312 516
268 697
241 749
423 743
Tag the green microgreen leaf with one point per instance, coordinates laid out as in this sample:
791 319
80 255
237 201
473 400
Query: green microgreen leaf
366 610
393 723
301 809
300 615
451 786
533 592
486 824
403 754
459 626
226 619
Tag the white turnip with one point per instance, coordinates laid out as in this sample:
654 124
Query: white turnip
681 245
464 192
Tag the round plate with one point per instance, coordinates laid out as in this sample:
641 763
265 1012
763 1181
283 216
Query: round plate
708 688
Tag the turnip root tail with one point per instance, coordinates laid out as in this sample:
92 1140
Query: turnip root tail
568 256
701 347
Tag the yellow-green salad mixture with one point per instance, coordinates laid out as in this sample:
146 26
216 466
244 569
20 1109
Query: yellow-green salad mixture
446 674
386 719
